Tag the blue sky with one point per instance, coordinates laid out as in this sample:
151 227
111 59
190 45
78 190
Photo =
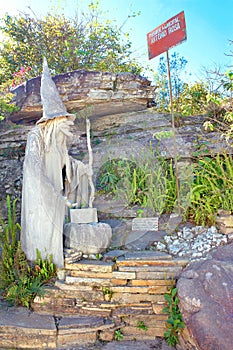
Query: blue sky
209 25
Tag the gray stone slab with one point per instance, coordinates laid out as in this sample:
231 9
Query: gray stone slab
80 322
158 235
142 242
23 318
147 255
134 236
174 221
113 254
145 224
120 234
133 345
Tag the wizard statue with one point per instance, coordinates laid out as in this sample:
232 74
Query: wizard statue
51 178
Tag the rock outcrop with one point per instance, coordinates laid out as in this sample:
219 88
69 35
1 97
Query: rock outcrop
104 93
206 300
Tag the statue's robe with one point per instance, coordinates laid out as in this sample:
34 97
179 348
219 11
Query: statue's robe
43 201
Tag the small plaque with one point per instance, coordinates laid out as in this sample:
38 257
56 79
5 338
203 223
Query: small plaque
83 216
145 224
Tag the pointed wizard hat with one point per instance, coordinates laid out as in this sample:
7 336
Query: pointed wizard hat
53 107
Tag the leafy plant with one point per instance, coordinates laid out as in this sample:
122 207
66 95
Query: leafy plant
118 335
44 269
141 325
133 187
9 245
111 173
140 213
174 321
20 282
23 290
148 181
108 293
212 189
99 256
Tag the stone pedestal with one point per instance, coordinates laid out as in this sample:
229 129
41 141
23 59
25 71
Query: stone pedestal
88 238
83 216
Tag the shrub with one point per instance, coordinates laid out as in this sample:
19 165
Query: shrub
148 181
111 173
19 281
212 189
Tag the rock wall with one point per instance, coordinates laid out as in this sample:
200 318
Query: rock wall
121 124
121 135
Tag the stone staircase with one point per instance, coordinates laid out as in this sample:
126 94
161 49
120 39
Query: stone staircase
121 296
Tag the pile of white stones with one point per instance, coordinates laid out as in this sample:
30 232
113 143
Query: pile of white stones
193 243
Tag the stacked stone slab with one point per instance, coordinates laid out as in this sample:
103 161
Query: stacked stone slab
126 293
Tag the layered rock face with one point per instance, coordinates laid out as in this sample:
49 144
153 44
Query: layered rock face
105 93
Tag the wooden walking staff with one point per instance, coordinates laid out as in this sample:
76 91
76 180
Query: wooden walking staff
92 194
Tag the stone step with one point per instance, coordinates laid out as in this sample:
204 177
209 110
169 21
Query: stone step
98 288
78 330
24 329
20 328
91 265
135 333
123 296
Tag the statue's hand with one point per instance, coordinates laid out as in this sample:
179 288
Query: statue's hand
67 202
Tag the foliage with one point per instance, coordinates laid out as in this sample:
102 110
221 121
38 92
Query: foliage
177 67
220 109
6 105
20 282
118 335
107 293
133 187
148 181
212 189
44 269
205 187
9 245
171 190
193 99
111 173
141 325
174 321
86 41
20 76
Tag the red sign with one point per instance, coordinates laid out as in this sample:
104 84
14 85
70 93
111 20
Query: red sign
167 35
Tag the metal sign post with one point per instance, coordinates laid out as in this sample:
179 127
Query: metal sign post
161 39
174 135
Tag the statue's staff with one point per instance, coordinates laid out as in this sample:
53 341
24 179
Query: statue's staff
92 194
